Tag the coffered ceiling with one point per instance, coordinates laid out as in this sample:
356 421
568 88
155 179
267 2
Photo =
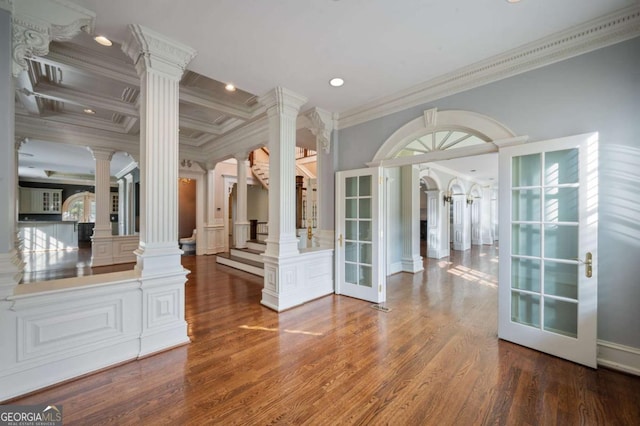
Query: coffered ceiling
379 47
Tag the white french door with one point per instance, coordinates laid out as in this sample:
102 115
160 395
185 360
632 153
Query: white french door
358 252
548 246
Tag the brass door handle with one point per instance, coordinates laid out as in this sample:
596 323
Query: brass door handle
340 240
588 263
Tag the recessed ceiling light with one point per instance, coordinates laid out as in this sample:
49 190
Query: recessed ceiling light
336 82
89 111
103 41
513 1
230 87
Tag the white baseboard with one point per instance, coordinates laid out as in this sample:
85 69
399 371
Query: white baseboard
394 268
619 357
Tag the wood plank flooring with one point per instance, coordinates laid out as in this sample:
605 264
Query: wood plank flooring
433 360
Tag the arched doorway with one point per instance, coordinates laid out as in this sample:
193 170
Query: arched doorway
438 136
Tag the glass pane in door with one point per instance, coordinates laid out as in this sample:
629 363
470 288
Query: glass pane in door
561 317
561 279
544 241
358 231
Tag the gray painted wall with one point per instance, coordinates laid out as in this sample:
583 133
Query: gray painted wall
597 91
7 215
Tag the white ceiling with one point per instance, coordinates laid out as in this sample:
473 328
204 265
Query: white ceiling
379 47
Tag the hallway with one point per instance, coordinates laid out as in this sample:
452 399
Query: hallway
433 359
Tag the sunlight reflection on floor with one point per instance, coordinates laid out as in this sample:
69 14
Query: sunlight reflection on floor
257 327
473 275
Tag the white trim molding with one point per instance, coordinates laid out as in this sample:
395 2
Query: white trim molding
598 33
619 357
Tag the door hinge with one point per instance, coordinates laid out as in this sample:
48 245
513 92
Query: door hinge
380 180
379 288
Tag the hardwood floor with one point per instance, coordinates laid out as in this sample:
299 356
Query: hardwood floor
53 265
433 360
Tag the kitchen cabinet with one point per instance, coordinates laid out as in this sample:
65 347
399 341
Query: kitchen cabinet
40 200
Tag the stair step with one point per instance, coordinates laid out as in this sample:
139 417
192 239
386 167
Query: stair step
257 245
249 254
246 265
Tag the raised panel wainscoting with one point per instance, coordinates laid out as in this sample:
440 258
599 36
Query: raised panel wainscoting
65 328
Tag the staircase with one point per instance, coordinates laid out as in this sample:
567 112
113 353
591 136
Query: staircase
248 260
261 172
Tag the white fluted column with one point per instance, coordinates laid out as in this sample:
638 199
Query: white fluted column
282 110
435 235
130 213
101 241
211 197
121 206
160 63
102 158
241 226
411 259
282 245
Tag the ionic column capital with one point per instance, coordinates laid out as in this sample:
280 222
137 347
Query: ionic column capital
281 101
101 153
150 50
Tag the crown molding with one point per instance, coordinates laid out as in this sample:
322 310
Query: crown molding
598 33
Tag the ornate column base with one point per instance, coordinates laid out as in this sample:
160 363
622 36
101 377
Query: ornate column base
101 251
162 280
294 280
158 261
241 234
286 246
163 323
412 265
11 267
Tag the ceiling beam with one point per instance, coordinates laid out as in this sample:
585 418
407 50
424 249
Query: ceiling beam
191 96
85 99
71 134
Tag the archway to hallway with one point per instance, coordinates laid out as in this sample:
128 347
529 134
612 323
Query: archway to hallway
457 199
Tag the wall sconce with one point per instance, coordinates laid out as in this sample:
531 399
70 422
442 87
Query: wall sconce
185 163
469 200
447 197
